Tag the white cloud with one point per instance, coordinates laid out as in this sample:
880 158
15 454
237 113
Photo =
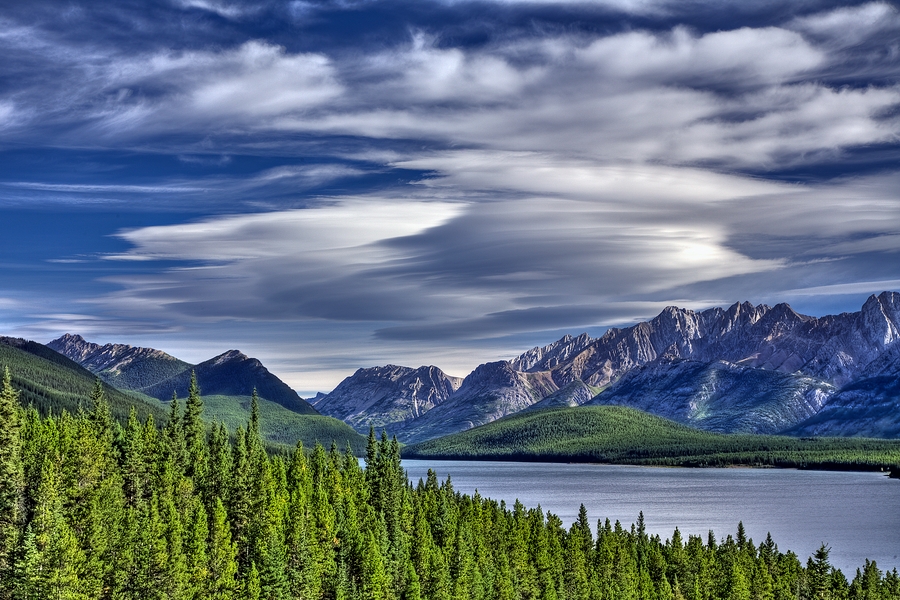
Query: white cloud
742 57
849 25
223 9
347 225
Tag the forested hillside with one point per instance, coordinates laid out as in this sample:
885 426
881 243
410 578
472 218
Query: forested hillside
621 435
180 514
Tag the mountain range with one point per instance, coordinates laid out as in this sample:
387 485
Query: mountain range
742 369
746 368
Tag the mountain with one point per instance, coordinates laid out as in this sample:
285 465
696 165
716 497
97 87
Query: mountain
868 406
833 348
380 396
491 391
232 373
745 368
120 365
51 382
157 374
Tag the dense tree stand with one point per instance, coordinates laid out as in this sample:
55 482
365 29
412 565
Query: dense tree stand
92 509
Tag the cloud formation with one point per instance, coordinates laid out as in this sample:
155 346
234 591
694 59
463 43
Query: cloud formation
463 175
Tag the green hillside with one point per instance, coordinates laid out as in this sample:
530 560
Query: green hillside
616 434
280 425
52 383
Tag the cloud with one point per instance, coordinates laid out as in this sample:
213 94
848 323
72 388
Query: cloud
617 232
522 243
93 188
227 10
749 98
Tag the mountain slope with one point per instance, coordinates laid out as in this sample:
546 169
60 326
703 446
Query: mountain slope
282 426
380 396
868 406
52 383
232 373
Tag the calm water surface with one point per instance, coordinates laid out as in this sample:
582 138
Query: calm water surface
857 514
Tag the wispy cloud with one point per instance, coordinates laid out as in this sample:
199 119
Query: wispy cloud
93 188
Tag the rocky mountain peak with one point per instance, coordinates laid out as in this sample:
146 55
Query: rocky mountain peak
378 396
230 356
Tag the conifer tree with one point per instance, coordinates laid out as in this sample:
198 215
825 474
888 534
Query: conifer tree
100 413
195 551
194 433
222 556
173 435
12 481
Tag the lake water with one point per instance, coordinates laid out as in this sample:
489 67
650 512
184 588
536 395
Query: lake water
856 514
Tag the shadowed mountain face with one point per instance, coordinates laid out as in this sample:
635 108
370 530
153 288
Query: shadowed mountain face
157 374
491 391
745 368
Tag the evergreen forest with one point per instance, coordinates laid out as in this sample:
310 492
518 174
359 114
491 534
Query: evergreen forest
623 435
93 509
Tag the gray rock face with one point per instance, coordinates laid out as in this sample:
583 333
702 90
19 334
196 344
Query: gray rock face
380 396
868 406
575 393
833 348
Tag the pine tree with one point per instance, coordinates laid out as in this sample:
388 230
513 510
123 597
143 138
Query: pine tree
194 433
12 481
134 468
100 414
175 452
818 574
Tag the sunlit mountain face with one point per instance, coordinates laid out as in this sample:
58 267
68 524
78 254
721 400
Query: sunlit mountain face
341 184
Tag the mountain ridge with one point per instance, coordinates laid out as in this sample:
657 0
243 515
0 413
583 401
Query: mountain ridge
743 368
159 375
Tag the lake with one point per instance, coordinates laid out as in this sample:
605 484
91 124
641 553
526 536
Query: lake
856 514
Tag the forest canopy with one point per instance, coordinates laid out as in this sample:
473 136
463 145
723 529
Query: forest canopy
90 509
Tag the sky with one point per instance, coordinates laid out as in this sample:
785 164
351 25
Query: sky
335 184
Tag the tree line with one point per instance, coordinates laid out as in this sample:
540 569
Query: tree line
94 509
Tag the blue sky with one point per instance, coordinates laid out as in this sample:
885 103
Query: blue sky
337 184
